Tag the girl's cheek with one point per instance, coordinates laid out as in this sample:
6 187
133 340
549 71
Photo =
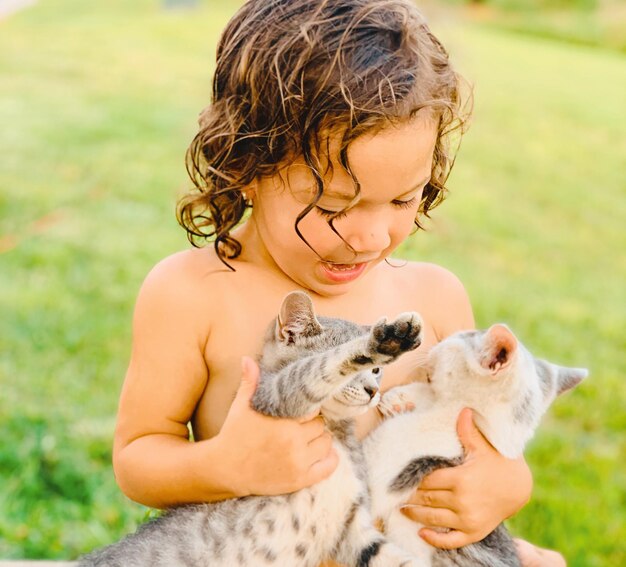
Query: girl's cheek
406 226
317 231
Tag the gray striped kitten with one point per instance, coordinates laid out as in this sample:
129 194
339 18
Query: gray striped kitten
508 389
307 363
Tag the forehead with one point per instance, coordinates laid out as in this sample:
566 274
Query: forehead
389 162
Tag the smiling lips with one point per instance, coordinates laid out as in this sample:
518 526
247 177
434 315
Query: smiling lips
342 273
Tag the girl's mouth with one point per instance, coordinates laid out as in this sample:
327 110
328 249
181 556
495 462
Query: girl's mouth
342 273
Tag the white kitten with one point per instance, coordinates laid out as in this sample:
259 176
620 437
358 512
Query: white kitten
508 389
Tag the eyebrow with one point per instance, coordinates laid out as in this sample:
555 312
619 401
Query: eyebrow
344 197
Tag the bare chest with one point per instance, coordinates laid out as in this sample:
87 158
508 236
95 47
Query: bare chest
238 328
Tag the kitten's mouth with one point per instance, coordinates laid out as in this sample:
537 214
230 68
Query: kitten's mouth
374 401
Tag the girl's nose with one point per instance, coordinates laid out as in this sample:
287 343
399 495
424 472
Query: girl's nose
368 233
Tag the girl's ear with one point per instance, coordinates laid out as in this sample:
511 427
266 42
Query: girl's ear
249 193
296 318
499 346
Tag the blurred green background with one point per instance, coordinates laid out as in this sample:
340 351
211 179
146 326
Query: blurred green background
98 101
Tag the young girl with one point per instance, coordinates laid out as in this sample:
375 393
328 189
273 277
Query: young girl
329 125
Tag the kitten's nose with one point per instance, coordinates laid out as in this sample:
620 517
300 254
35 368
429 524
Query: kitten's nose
371 391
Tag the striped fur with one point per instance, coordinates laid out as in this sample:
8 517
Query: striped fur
307 364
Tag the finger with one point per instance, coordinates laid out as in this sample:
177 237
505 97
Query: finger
552 558
441 479
323 468
532 556
469 435
448 540
431 517
313 429
249 379
309 416
319 448
434 499
526 551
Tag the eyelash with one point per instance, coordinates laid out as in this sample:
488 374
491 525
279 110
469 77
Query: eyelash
339 215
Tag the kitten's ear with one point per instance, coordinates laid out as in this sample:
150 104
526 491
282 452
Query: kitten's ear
296 318
499 346
568 378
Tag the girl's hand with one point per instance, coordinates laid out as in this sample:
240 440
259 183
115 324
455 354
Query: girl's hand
270 455
532 556
470 500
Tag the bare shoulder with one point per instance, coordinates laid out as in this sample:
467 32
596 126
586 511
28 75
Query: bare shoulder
185 268
171 326
174 292
167 372
442 297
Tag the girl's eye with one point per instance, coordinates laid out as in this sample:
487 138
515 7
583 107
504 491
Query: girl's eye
340 214
404 204
328 214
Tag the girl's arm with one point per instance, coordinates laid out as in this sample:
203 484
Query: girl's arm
252 454
154 461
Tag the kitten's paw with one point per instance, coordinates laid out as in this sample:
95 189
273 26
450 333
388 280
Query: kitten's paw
396 401
401 335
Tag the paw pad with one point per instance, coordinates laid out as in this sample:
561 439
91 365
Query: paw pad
400 335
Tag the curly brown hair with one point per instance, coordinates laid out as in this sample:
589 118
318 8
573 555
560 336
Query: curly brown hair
290 71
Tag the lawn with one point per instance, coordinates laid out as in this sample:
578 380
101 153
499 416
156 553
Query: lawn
98 101
584 22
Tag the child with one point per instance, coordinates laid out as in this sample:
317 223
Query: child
329 124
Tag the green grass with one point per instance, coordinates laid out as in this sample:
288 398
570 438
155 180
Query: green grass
586 22
534 226
94 127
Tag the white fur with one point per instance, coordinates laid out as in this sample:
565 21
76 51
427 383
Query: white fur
459 377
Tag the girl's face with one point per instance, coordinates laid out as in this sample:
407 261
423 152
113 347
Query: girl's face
393 166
